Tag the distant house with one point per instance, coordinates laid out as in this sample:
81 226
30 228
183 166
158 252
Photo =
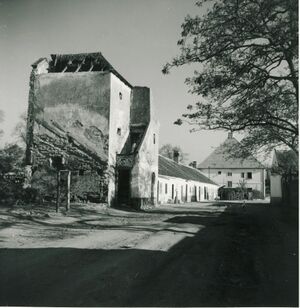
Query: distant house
178 183
284 178
233 172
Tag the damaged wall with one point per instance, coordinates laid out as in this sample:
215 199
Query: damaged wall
69 116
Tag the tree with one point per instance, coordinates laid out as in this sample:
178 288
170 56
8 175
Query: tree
247 51
168 149
11 158
20 129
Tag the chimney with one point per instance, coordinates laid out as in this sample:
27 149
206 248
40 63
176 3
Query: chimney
194 164
230 135
176 156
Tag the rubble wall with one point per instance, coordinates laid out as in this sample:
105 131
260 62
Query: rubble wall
69 117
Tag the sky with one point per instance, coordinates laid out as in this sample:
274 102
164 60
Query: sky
136 36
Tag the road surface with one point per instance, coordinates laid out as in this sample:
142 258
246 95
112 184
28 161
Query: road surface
191 255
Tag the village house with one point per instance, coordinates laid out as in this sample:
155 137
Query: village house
231 172
178 183
87 119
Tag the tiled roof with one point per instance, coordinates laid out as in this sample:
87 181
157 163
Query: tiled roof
219 158
168 167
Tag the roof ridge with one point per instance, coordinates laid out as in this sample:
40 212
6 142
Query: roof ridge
181 172
220 158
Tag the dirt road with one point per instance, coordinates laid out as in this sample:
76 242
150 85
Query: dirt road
207 255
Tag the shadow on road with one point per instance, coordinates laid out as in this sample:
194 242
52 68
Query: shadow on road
243 257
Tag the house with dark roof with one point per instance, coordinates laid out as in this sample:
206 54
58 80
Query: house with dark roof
227 171
178 183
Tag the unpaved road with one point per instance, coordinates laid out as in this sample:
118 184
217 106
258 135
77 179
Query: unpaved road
207 255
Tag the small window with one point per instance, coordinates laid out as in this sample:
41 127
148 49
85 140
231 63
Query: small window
120 95
166 188
229 184
219 172
229 173
249 175
119 131
242 174
153 138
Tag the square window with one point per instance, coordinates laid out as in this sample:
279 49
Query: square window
249 175
219 172
229 173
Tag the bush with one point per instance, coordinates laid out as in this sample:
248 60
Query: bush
29 195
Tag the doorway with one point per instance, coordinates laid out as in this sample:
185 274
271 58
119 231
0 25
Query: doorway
123 186
152 188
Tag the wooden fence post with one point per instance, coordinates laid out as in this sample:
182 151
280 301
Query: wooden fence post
68 190
58 191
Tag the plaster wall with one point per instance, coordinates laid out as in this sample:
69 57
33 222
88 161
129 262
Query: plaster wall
76 104
146 166
257 181
276 187
118 127
177 190
69 116
140 112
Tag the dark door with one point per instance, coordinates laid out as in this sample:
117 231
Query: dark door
124 186
186 192
152 187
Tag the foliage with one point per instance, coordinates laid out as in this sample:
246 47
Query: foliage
168 149
247 52
20 130
11 158
44 180
287 163
237 193
12 176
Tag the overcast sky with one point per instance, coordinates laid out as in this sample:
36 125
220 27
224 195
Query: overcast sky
136 36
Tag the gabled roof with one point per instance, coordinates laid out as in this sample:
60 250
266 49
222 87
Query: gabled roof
220 158
169 167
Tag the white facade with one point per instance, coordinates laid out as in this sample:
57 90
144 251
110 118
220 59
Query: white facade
276 188
178 190
253 178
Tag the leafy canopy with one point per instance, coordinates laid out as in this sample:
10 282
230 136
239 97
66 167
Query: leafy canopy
247 54
167 150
